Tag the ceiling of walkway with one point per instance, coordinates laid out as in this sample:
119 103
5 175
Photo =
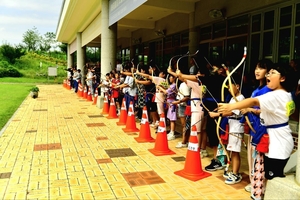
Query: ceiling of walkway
80 14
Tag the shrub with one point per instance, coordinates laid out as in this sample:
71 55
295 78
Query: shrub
9 72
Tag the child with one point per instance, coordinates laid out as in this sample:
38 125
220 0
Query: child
276 107
255 159
236 131
197 114
115 91
183 96
171 93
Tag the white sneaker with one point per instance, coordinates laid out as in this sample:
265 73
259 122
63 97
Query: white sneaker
171 136
248 187
204 153
155 125
180 145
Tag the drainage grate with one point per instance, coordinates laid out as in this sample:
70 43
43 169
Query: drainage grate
179 159
94 124
42 147
40 109
104 160
142 178
30 131
113 153
95 116
131 133
5 175
101 138
81 112
68 117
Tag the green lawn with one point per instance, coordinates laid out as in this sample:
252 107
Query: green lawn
11 97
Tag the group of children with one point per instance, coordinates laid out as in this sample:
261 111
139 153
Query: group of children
196 101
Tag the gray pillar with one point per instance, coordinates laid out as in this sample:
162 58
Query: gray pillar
193 36
80 56
108 40
70 57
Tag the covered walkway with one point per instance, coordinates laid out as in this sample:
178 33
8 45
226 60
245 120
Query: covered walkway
59 146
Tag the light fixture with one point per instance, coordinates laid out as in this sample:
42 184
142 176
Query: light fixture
161 33
215 13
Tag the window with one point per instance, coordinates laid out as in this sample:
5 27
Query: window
205 33
185 38
286 16
219 29
256 23
268 45
238 25
269 20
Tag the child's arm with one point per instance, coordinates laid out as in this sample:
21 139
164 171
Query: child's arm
246 103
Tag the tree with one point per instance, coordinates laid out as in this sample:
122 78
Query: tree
11 53
47 41
31 38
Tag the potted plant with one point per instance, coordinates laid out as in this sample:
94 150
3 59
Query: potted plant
34 92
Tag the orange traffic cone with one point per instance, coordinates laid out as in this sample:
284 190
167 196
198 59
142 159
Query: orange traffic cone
80 92
84 92
95 97
70 86
161 143
112 114
130 122
145 134
193 168
64 83
123 114
105 105
89 94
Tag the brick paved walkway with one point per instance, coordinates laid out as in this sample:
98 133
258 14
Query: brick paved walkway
59 146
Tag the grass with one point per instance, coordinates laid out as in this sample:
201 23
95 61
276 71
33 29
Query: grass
12 96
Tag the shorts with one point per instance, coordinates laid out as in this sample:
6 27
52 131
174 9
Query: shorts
171 114
181 110
160 107
152 106
274 167
235 142
199 120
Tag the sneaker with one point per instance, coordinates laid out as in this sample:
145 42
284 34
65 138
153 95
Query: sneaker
180 145
171 136
214 165
155 125
233 179
226 175
204 153
248 187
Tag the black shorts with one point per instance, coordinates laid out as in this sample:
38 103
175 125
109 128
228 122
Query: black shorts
274 167
151 106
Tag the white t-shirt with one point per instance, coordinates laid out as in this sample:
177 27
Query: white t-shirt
183 91
276 107
196 93
234 124
106 85
119 67
132 87
159 96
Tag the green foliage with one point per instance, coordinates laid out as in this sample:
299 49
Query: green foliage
10 53
9 72
31 39
35 89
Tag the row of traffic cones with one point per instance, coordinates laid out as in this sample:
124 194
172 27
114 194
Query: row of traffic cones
86 93
193 167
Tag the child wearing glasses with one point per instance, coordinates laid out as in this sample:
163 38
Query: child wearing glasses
275 108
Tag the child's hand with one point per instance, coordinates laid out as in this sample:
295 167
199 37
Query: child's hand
213 114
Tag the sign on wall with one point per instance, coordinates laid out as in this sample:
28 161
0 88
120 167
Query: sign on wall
120 8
